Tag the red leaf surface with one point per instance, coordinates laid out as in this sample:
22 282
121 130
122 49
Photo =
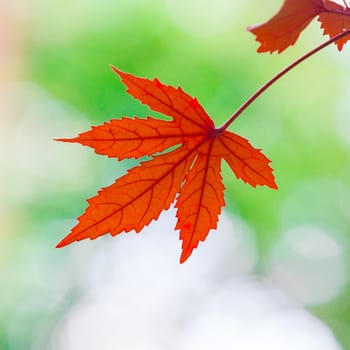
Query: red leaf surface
284 28
189 174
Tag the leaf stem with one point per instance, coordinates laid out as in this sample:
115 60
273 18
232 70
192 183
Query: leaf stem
260 91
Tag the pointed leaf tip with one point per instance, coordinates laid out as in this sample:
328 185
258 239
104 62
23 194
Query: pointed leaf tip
62 243
184 256
115 69
63 139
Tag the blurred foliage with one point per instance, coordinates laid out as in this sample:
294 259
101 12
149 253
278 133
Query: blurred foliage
69 46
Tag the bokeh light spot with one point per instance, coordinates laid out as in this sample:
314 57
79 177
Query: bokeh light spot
308 263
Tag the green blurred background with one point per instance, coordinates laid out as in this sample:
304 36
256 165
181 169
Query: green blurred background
277 254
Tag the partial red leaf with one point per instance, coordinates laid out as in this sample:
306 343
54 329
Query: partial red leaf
191 170
201 198
247 162
284 28
130 137
135 199
185 110
335 21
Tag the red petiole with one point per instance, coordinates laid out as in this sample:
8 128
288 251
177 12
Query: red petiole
279 75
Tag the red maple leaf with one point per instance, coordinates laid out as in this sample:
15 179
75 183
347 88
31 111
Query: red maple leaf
283 29
190 173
